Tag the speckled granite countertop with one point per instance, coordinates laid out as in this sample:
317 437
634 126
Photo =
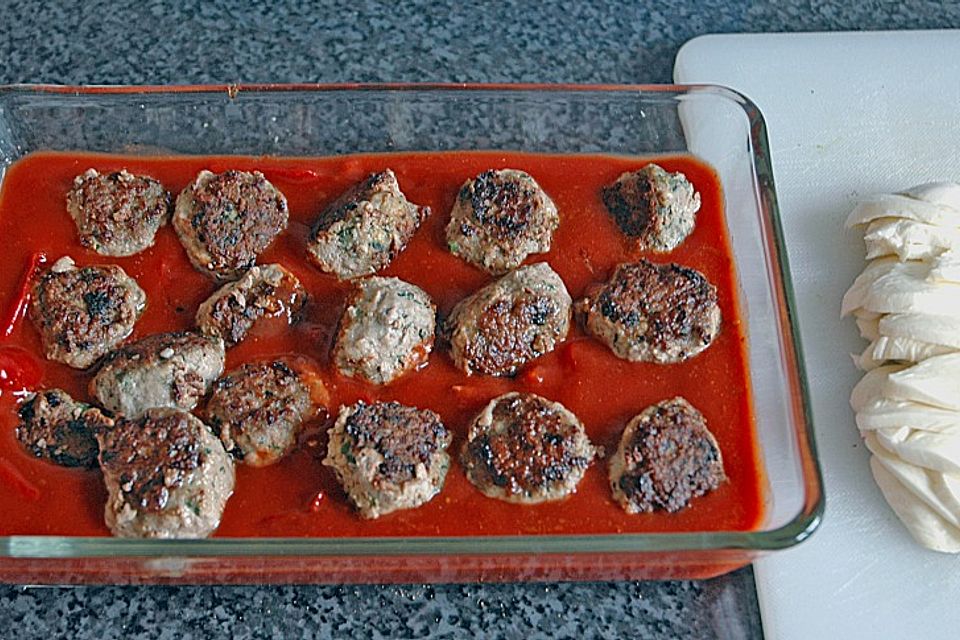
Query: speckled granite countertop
201 42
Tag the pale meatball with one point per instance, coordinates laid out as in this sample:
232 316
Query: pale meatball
258 410
388 456
167 476
526 449
55 427
654 208
500 218
651 312
118 213
666 457
171 370
363 230
508 323
386 330
263 293
82 313
224 221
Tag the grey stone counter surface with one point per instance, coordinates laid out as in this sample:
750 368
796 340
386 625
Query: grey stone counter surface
199 41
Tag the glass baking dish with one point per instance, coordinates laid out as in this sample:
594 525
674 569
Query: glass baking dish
714 123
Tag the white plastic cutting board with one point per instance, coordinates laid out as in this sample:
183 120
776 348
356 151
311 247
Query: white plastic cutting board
849 114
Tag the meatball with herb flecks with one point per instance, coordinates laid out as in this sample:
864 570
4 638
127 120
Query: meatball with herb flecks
667 456
171 370
167 476
527 449
499 218
364 229
388 456
117 213
82 313
225 220
650 312
656 209
386 330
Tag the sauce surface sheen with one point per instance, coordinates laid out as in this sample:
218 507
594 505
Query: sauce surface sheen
281 500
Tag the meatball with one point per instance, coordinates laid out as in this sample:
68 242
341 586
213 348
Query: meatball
654 208
386 330
226 220
388 456
170 370
117 214
653 312
521 316
500 218
666 457
55 427
167 476
258 409
364 229
84 312
268 291
526 449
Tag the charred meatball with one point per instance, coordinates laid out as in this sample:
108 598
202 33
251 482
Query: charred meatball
653 312
386 330
388 456
268 291
55 427
654 208
167 476
258 410
170 370
524 448
667 457
500 218
226 220
364 229
521 316
84 312
117 214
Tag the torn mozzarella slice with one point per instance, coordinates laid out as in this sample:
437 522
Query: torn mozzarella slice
885 413
942 193
940 491
934 381
901 206
872 386
908 239
933 329
923 523
900 349
868 324
902 288
928 449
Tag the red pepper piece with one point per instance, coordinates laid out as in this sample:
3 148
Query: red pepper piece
18 308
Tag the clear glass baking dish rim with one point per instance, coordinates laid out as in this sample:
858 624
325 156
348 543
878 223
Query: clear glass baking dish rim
793 532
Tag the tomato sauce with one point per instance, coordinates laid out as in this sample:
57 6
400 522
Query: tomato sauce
299 496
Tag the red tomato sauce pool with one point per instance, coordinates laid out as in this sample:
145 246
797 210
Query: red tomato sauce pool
299 496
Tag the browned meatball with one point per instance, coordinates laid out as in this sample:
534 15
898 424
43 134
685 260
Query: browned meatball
162 370
653 312
258 410
364 229
82 313
500 218
524 448
521 316
225 220
653 207
118 213
167 476
667 457
388 456
268 291
55 427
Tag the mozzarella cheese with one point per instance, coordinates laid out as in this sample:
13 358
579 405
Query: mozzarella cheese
907 304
